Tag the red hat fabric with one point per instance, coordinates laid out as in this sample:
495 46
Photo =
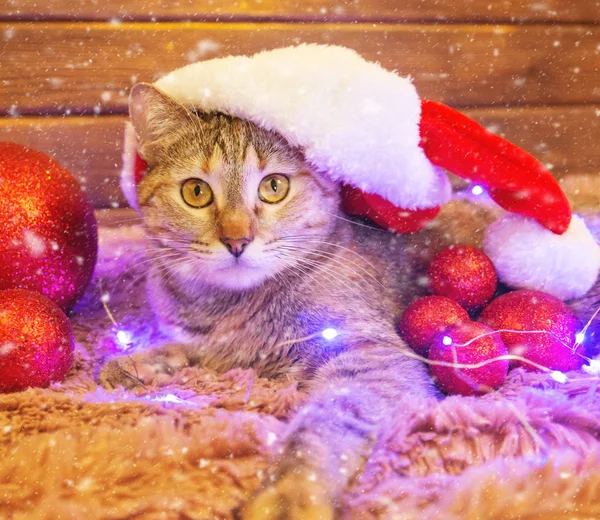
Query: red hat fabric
515 180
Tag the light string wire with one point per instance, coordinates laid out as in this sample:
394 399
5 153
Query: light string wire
104 301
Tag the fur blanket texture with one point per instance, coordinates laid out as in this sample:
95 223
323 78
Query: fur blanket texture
196 446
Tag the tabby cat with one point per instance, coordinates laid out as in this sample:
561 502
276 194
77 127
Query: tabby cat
254 265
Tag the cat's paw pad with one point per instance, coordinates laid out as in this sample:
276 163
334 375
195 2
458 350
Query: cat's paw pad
292 497
120 372
141 369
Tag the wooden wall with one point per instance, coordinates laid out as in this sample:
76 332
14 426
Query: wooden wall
527 69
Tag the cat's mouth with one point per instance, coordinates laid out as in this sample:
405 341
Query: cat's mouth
239 262
227 271
238 272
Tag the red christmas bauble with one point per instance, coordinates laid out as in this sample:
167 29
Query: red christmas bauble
457 344
463 274
527 310
425 318
36 341
49 237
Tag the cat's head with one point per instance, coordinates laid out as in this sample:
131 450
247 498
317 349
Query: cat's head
224 201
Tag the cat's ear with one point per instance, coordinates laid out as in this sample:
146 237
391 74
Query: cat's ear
154 116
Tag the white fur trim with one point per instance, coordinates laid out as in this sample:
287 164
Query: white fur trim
127 173
527 255
355 121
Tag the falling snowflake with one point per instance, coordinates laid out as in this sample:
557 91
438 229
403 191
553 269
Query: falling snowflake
203 49
34 243
7 348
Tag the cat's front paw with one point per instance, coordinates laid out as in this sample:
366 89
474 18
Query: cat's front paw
294 496
121 371
142 368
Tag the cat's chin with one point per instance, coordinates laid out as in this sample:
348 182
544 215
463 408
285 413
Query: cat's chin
239 278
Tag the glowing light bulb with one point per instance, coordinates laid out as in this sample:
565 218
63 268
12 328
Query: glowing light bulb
169 398
447 340
329 333
557 375
124 339
476 190
593 368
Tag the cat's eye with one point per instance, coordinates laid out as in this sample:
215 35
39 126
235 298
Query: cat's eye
196 193
273 188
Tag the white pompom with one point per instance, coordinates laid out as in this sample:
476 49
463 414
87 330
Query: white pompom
529 256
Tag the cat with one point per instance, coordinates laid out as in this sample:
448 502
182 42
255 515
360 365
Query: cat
255 266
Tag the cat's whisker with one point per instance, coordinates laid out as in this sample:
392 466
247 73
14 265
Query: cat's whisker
165 241
155 259
144 273
285 280
151 257
140 276
305 254
339 259
340 262
170 271
173 268
186 246
152 249
308 238
339 276
351 251
300 244
136 264
292 264
160 232
332 273
158 238
372 228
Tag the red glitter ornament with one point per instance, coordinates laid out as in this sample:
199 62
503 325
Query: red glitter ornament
36 341
49 236
527 310
457 344
464 274
425 318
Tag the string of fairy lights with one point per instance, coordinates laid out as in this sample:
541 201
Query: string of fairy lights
329 334
125 340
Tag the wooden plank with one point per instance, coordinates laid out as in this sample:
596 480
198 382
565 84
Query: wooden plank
88 68
117 217
90 148
563 138
480 11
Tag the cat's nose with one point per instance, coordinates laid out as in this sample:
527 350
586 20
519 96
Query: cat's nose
236 247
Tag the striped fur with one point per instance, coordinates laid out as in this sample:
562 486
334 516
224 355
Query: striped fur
306 269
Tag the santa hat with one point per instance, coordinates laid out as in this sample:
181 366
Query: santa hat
367 128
